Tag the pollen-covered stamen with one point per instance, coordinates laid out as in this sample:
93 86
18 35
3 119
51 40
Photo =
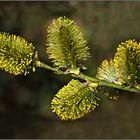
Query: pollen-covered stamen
66 43
74 100
127 62
108 72
16 55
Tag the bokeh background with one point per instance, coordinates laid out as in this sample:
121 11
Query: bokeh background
25 101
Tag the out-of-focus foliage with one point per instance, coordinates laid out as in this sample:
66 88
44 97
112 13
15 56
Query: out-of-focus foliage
24 101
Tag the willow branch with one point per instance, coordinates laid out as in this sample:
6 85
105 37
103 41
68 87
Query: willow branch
88 78
108 84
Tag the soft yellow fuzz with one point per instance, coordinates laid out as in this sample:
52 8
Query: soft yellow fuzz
16 54
66 43
125 67
74 100
127 62
107 72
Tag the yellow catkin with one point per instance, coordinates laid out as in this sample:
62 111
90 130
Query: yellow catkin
16 55
107 72
66 45
127 62
73 101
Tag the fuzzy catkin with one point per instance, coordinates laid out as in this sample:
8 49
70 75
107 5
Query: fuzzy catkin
66 43
127 62
16 55
73 101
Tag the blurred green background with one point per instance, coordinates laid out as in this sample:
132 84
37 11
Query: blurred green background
25 101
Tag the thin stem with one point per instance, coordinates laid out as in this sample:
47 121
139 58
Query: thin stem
43 65
88 78
108 84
